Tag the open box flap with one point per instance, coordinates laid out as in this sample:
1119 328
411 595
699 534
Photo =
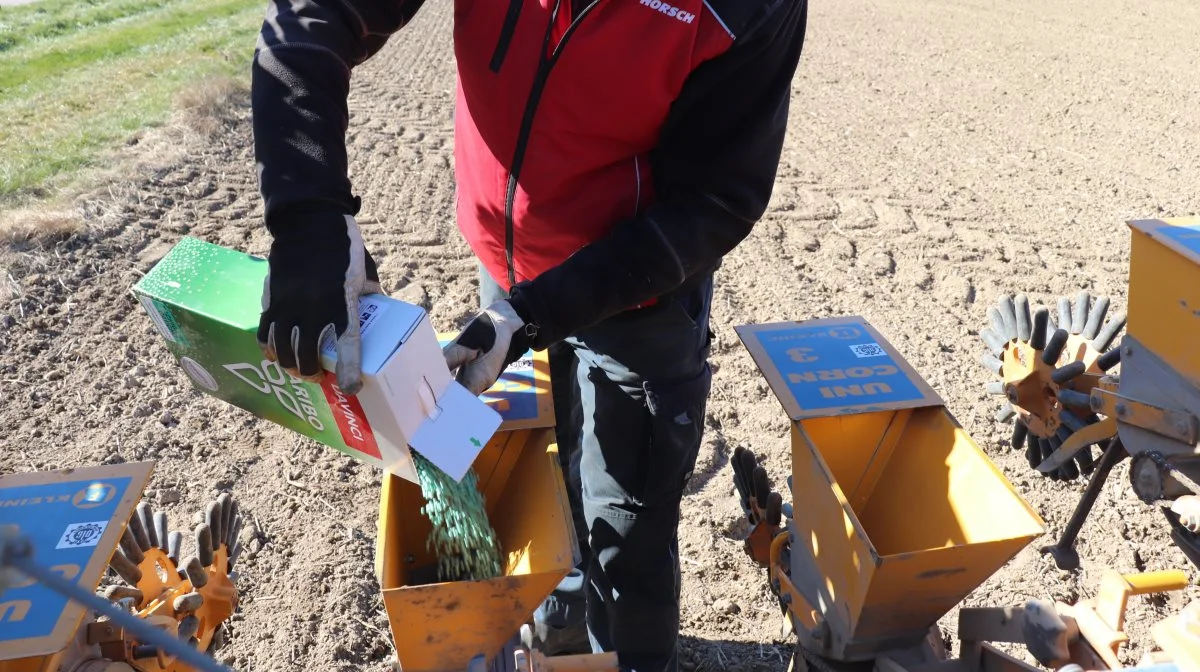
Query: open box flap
453 435
834 366
1181 234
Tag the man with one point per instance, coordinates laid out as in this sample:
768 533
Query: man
607 155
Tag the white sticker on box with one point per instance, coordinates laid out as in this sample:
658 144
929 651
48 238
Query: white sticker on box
82 535
199 374
368 314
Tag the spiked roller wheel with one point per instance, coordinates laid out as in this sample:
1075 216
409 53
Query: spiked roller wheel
1046 370
762 506
192 597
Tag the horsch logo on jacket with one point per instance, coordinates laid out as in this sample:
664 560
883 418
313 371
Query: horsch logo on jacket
670 10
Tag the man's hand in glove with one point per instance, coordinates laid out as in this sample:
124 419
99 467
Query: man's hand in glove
318 269
494 338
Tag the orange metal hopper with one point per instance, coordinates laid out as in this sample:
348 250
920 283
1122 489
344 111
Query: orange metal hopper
442 626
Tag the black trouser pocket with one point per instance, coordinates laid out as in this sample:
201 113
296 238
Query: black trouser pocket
676 429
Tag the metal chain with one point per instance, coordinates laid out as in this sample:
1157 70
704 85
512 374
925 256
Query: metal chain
1161 463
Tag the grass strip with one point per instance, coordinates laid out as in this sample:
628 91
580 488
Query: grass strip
58 128
48 19
41 64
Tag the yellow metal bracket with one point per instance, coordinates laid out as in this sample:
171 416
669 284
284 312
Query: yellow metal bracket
759 542
1182 427
1116 589
781 584
1030 388
1094 630
1179 637
1120 409
1094 433
1102 622
535 661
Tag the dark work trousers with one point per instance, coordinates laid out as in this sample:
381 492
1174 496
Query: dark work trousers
629 398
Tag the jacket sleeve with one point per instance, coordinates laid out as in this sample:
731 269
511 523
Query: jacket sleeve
714 171
300 79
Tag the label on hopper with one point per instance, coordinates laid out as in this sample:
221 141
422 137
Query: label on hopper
834 366
74 520
1187 236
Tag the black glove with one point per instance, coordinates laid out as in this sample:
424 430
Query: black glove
318 269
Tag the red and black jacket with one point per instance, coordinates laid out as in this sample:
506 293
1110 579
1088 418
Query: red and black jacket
606 153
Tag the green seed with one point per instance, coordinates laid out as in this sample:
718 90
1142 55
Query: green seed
462 539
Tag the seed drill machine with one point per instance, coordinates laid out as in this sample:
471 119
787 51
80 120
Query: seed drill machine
1068 385
898 515
163 612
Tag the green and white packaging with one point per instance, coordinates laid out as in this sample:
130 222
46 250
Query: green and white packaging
205 301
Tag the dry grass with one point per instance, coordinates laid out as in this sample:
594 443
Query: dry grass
36 228
8 289
207 108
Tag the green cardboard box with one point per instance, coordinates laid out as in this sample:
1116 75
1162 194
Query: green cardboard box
205 301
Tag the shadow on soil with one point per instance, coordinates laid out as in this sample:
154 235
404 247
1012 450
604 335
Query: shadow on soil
714 455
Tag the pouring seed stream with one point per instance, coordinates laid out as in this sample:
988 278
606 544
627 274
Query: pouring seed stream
463 539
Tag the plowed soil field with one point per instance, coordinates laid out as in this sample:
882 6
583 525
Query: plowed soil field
941 153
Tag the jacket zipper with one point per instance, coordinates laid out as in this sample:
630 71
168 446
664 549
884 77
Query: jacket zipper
506 33
637 181
545 64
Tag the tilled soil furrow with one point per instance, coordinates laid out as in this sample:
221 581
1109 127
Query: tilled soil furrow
941 153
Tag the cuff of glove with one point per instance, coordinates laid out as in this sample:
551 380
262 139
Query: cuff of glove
311 221
532 332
